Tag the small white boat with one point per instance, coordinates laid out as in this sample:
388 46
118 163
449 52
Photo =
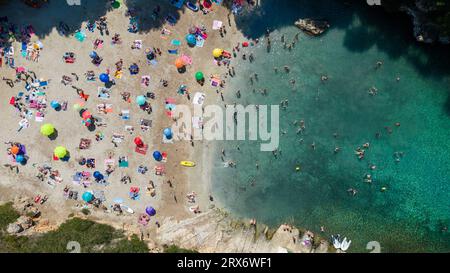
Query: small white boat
345 244
336 242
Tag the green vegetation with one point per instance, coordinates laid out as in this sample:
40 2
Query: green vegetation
92 237
7 215
177 249
85 211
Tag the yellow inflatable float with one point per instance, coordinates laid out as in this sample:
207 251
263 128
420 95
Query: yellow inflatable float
187 163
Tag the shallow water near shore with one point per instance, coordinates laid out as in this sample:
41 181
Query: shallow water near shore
410 215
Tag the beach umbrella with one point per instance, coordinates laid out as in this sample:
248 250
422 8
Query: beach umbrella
116 4
80 36
98 175
60 152
217 53
150 211
168 133
93 54
141 100
207 4
104 78
20 159
157 156
179 63
47 129
86 115
199 76
15 150
138 141
55 105
191 40
88 197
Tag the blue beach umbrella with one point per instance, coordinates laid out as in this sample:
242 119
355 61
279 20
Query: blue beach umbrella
168 133
150 211
98 175
191 40
104 78
20 159
157 156
55 105
93 54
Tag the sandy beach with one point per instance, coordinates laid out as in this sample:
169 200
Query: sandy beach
169 201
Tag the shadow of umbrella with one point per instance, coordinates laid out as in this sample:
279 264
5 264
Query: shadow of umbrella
66 158
53 136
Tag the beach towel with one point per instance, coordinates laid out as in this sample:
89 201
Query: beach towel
186 59
125 115
170 100
199 98
200 42
217 25
124 163
109 163
137 44
39 117
175 42
173 51
197 122
104 93
142 150
118 74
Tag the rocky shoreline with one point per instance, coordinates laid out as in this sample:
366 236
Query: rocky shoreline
214 231
430 19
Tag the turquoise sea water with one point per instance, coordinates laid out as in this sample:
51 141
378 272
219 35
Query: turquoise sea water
410 215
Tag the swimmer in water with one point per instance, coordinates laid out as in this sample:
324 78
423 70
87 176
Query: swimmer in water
379 64
352 191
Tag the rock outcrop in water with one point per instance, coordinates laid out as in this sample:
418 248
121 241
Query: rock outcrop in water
312 27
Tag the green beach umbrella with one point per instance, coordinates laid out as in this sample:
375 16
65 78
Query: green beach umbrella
47 129
199 76
60 152
116 4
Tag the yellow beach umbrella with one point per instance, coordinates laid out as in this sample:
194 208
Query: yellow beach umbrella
47 129
60 152
217 53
